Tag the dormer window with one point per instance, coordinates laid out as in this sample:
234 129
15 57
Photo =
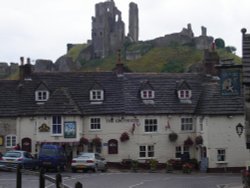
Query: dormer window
184 94
147 94
42 93
96 95
42 96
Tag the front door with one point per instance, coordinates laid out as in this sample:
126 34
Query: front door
26 144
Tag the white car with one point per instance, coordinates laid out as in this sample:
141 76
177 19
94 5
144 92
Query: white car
89 161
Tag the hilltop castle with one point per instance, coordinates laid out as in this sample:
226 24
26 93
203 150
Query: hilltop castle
108 35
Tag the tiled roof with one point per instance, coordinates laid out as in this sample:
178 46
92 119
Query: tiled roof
246 56
69 94
8 98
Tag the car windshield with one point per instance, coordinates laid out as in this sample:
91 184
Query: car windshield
12 154
86 155
48 152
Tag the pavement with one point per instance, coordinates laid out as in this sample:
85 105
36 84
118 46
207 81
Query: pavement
176 172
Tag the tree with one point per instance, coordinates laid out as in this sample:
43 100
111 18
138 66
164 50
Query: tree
219 42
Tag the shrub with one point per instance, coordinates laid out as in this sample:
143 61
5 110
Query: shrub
172 137
124 137
188 142
84 141
96 141
199 140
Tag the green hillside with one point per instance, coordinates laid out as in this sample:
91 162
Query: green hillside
174 58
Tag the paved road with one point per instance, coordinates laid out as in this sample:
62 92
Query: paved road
131 180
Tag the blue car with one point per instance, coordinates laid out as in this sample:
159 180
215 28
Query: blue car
14 157
52 157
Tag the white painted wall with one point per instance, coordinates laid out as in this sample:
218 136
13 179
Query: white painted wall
217 132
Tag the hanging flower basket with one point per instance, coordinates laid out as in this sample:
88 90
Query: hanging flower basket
124 137
199 140
96 141
188 142
172 137
84 141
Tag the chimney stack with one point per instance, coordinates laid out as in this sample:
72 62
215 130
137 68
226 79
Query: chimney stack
119 69
25 70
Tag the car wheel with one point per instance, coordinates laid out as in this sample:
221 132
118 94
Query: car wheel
104 169
95 169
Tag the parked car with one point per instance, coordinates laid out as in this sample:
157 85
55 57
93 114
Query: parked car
88 161
14 157
52 157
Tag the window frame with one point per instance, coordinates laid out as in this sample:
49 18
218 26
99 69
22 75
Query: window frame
57 133
40 97
181 150
96 95
184 94
187 126
147 94
12 140
150 127
96 125
221 157
149 151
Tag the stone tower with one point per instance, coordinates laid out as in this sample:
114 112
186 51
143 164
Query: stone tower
133 22
107 29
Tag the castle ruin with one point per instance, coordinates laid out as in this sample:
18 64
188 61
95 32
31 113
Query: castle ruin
133 34
108 29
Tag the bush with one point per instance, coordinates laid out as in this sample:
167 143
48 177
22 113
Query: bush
124 137
172 137
153 164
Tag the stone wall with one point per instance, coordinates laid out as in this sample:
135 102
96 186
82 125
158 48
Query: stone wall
133 22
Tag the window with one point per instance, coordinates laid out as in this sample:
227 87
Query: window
186 124
95 123
10 141
182 150
57 125
113 146
147 94
221 155
146 151
42 95
96 95
178 152
150 125
94 148
184 94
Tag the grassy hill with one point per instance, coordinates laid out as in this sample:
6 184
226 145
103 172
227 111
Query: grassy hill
173 58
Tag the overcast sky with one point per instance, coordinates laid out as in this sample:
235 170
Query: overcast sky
40 29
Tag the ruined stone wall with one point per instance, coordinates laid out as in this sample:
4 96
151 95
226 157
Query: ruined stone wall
133 22
107 29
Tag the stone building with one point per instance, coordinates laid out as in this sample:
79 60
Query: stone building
107 29
148 107
133 34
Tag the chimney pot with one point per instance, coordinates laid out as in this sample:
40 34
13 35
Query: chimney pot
21 60
28 60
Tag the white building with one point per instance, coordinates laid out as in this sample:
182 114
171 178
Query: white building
91 111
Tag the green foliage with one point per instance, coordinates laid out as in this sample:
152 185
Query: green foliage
174 58
219 43
153 164
75 51
134 165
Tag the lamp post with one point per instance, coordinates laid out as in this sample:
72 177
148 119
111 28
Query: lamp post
239 129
